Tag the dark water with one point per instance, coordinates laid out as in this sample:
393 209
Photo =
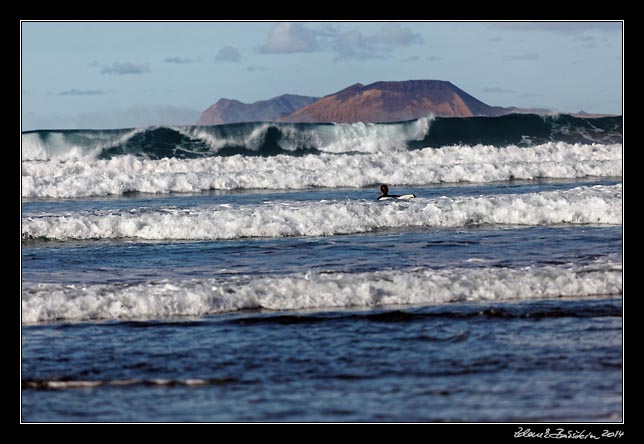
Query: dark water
552 359
107 340
548 360
268 139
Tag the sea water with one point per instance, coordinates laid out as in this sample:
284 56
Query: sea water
236 287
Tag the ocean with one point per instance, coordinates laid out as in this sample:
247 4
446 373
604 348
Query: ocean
247 272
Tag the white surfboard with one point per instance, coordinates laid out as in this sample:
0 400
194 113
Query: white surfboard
402 197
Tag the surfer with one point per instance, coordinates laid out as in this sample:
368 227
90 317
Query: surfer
384 194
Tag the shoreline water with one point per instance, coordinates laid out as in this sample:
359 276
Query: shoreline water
227 295
457 363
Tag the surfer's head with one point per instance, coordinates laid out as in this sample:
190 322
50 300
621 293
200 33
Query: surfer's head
384 189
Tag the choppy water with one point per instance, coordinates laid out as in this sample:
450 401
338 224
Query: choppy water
486 298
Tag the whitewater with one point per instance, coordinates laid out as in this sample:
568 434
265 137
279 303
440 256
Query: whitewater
247 272
582 205
317 291
87 177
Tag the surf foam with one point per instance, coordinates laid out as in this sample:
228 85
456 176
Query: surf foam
582 205
162 299
123 174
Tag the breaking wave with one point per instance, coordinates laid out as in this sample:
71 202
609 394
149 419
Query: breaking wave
582 205
267 139
83 177
45 302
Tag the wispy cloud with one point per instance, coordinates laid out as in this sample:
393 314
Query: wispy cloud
497 90
410 59
560 27
589 41
289 38
522 57
83 92
395 35
125 68
355 45
255 68
228 54
180 60
529 95
416 58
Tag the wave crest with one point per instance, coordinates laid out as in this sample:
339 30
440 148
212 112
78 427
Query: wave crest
163 299
124 174
582 205
268 139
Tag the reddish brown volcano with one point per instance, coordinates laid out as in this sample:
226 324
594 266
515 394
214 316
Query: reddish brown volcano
393 101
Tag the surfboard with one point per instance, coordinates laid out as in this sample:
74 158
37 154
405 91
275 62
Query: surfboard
402 197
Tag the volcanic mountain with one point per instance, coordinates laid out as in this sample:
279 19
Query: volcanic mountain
234 111
394 101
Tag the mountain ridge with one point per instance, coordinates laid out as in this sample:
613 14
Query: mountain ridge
234 111
387 101
378 102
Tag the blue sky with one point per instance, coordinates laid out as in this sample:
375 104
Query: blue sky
131 74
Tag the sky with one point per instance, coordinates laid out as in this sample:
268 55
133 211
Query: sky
132 74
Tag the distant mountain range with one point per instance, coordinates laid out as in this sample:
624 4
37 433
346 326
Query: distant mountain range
377 102
234 111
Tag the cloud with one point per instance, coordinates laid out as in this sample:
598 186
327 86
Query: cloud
409 59
180 60
497 90
255 68
125 68
83 92
522 57
586 38
354 45
396 35
288 38
228 54
589 41
560 27
529 95
416 58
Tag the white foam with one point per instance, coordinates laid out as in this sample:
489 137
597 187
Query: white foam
74 384
358 137
581 205
330 138
161 299
92 177
333 138
76 144
236 136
